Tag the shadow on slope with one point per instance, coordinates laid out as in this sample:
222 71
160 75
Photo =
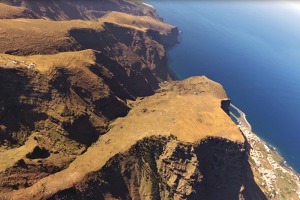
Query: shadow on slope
158 168
226 172
18 114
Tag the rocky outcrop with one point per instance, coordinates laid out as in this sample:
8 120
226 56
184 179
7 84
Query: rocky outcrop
165 168
167 40
159 151
119 36
84 96
75 100
54 106
96 114
225 105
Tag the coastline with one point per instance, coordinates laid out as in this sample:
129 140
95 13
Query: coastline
275 174
272 148
272 172
284 163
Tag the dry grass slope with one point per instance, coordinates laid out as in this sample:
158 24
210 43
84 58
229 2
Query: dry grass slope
187 116
13 12
38 36
68 79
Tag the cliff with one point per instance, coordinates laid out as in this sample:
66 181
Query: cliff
89 109
71 9
78 78
159 150
170 154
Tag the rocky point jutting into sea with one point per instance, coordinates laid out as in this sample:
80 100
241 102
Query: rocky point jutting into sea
90 110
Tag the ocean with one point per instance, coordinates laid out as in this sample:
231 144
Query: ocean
253 49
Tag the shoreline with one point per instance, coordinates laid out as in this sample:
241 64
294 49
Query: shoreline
275 174
272 148
284 163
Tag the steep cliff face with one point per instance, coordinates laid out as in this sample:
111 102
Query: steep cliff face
165 168
131 64
159 151
90 90
62 98
74 9
88 110
121 37
55 105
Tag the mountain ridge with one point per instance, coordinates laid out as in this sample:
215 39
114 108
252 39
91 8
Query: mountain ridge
72 9
89 109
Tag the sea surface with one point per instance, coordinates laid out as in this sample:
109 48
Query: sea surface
253 49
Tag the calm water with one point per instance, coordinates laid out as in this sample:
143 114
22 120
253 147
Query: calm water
253 50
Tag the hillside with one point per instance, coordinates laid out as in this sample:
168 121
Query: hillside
63 82
90 110
71 9
159 121
13 12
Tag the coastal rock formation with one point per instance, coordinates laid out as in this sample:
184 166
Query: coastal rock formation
87 86
89 109
57 102
164 168
160 151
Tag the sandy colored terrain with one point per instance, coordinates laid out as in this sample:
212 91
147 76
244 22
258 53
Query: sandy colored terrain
46 64
12 12
144 23
40 36
187 116
10 157
83 89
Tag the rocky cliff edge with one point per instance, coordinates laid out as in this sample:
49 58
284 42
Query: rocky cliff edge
89 109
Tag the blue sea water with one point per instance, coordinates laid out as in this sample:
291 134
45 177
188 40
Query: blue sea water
253 49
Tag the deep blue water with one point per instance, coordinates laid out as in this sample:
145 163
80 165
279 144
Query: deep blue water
253 50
